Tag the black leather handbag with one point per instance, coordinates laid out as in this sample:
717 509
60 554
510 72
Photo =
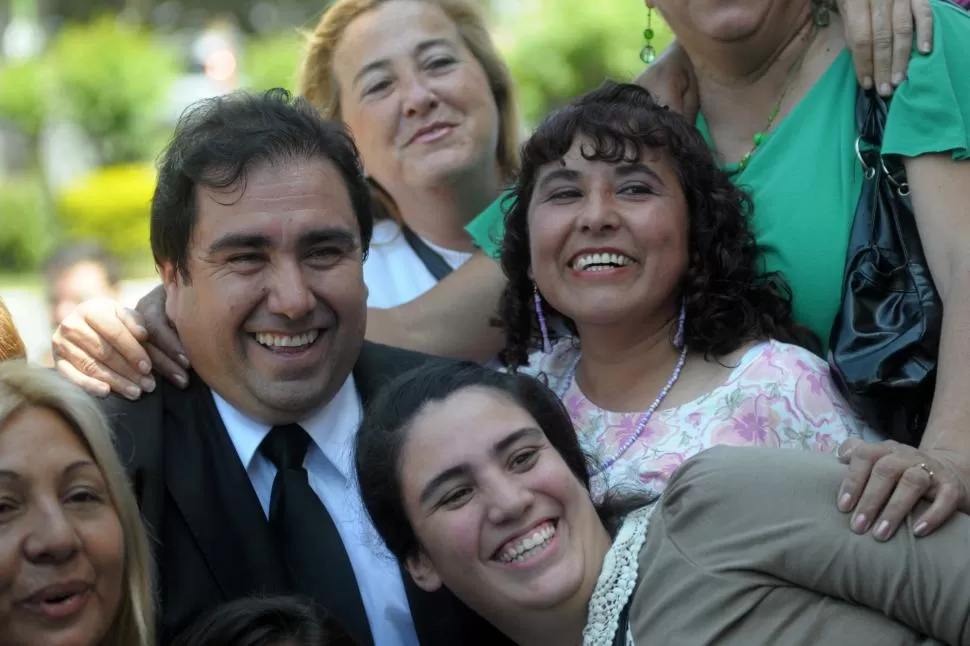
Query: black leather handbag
885 340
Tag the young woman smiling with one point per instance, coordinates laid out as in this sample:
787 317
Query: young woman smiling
476 482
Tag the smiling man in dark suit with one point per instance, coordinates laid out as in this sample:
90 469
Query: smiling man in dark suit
260 224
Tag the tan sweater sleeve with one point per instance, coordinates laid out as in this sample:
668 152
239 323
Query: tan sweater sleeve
773 512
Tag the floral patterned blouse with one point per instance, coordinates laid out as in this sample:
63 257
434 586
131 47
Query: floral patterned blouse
779 395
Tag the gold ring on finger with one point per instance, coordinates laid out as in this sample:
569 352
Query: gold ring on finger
929 471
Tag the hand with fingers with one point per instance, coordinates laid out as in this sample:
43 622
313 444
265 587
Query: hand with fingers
886 480
103 346
880 34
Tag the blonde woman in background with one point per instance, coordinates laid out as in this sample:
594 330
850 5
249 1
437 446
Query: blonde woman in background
75 566
11 345
431 106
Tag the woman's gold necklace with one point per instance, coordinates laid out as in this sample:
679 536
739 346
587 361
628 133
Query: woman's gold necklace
762 135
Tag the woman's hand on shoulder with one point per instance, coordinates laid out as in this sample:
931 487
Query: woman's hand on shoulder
103 346
880 34
886 480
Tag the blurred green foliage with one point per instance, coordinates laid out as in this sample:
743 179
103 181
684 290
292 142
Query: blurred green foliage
111 80
24 230
112 205
558 49
272 61
23 101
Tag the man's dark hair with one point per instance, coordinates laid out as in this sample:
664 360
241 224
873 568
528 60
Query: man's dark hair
76 253
264 622
218 141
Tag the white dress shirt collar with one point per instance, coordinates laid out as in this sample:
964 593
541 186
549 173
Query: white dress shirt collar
329 466
331 428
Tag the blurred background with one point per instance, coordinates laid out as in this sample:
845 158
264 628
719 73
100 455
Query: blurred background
90 89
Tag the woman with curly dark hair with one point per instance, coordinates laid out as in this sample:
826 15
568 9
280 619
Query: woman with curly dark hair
635 291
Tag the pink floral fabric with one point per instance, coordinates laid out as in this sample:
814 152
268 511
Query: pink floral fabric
779 395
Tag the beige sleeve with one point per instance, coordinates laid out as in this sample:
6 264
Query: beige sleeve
773 512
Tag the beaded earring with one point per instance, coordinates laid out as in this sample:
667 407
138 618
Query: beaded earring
682 321
648 54
543 329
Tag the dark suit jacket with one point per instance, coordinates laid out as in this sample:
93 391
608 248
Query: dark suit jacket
211 537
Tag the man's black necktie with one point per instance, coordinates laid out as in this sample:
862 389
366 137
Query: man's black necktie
307 537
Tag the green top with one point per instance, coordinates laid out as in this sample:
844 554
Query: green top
805 182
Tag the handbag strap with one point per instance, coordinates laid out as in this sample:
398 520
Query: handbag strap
872 112
431 259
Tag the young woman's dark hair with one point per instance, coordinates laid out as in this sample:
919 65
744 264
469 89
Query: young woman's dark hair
269 621
729 301
384 431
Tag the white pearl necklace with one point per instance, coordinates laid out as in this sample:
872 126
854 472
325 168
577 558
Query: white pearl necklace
644 418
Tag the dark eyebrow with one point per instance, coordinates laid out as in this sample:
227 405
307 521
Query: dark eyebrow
462 469
239 241
625 170
334 235
421 47
235 241
565 174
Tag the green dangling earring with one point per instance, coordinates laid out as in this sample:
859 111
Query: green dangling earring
648 54
821 11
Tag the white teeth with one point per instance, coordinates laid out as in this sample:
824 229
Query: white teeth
530 545
600 261
284 341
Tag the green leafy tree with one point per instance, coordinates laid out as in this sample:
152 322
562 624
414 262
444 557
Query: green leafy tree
111 79
25 202
558 49
24 234
23 95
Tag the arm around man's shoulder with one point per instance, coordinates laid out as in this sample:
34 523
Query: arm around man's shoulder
773 512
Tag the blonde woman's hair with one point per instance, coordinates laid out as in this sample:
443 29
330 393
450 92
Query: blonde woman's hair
11 345
319 86
23 386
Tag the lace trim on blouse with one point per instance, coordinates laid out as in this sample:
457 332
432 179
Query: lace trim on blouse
617 581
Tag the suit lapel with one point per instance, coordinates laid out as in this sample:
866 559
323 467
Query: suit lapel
213 493
379 364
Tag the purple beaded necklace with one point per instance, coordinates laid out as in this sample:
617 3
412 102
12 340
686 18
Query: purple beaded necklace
644 418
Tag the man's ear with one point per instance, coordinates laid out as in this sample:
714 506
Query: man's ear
171 281
423 571
168 273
